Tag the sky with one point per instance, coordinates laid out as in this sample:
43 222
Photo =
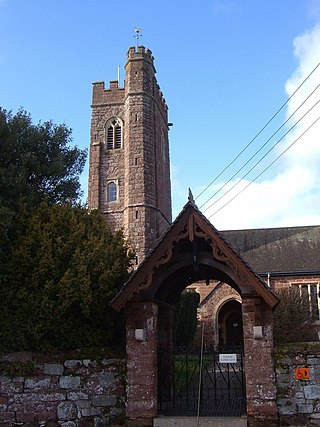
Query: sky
225 68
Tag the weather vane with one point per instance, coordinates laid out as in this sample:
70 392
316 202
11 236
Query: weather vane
137 35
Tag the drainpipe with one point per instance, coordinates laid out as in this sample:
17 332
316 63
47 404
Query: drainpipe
269 282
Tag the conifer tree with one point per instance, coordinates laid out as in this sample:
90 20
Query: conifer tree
63 269
186 320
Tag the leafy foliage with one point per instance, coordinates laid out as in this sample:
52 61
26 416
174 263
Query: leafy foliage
186 321
36 163
292 318
63 268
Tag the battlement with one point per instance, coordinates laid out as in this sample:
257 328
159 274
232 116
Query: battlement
144 54
159 98
141 52
113 95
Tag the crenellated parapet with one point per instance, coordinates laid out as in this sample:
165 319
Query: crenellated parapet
139 80
113 95
159 98
141 52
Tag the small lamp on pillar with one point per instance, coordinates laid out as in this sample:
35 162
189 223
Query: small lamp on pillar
257 332
140 334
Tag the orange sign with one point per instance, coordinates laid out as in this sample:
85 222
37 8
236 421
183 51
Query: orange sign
302 373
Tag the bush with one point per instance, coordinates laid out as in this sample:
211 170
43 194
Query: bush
292 318
63 268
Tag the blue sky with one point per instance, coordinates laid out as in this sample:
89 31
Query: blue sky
224 67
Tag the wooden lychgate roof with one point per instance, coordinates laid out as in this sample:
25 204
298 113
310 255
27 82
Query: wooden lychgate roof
192 249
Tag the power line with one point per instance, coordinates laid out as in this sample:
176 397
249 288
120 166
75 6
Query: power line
256 136
254 155
259 161
252 140
261 173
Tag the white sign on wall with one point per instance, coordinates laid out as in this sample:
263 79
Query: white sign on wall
227 358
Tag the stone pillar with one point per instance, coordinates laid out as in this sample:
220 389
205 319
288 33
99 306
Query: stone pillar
141 320
259 366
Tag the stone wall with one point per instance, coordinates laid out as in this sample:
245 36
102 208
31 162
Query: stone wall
298 400
42 391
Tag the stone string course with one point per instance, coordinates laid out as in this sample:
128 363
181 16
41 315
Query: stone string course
69 393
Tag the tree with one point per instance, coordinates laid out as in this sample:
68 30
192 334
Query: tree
186 321
292 318
36 163
63 268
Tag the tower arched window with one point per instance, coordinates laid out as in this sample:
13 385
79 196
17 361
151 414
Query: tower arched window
114 134
112 192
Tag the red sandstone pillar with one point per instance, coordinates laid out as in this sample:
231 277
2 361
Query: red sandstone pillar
142 346
259 366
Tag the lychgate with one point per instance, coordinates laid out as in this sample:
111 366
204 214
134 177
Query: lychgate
192 250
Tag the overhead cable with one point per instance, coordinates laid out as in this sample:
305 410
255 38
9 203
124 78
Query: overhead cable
259 133
261 173
259 161
268 140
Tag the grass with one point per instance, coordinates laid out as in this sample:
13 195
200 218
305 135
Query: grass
186 367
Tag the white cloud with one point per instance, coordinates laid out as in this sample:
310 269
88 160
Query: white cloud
292 195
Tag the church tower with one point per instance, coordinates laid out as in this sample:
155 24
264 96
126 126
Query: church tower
129 171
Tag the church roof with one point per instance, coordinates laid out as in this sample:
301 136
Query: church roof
286 250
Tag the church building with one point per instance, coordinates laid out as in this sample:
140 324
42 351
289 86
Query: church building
235 272
129 181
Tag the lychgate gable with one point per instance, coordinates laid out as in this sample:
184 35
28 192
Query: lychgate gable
192 249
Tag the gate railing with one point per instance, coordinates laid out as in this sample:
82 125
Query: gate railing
218 391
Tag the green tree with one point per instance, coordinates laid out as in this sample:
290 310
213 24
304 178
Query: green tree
63 268
292 318
36 163
186 320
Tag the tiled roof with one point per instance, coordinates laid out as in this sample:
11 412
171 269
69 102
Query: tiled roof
287 249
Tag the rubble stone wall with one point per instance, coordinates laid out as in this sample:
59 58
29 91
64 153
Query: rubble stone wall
69 393
298 399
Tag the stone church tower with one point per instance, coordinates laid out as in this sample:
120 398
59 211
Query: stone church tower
129 171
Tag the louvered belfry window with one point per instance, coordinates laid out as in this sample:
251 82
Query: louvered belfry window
110 138
117 137
114 135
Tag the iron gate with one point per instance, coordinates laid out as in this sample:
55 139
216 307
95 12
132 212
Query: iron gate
217 388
